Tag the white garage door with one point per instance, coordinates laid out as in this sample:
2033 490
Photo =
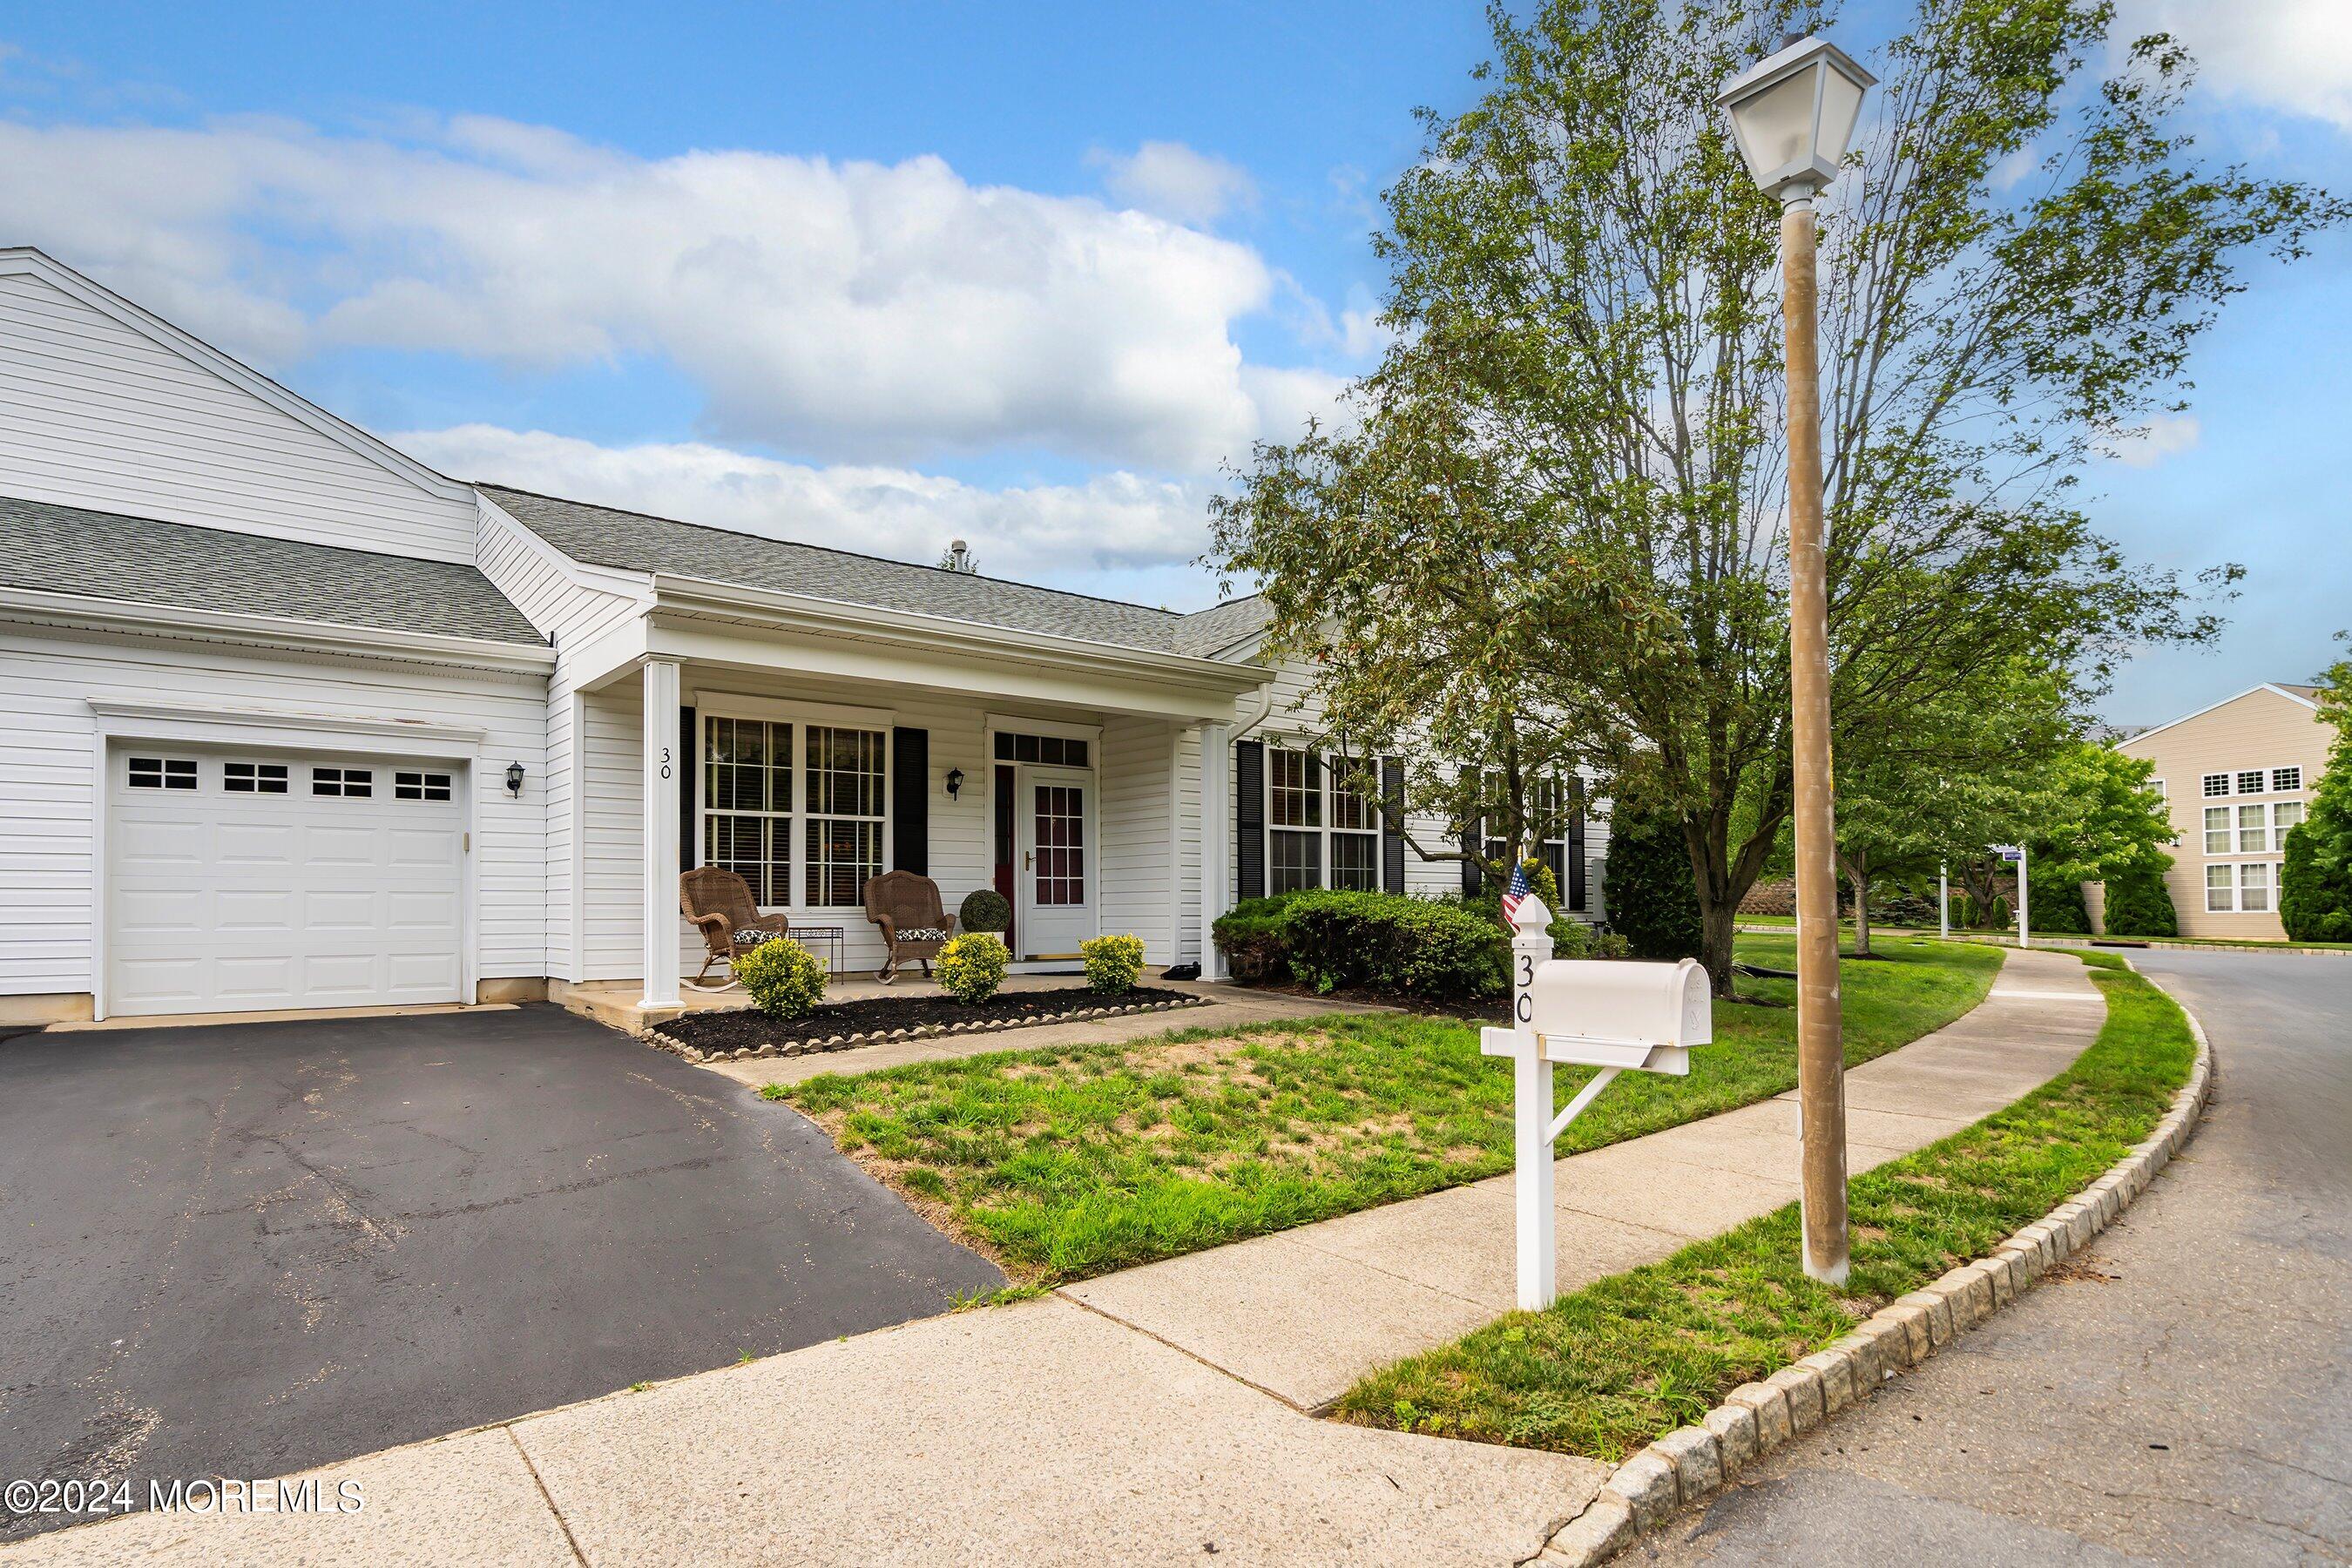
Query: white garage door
241 881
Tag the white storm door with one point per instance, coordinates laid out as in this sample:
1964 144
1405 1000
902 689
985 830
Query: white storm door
279 880
1053 827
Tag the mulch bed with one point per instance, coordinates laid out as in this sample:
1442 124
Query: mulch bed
840 1025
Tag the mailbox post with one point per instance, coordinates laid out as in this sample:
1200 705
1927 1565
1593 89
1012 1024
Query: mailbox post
1609 1014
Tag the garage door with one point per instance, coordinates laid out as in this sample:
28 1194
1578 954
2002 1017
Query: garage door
241 881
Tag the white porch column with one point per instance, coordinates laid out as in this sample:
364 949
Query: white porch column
1216 841
664 767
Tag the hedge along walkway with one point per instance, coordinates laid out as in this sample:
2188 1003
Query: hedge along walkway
1305 1313
1066 1164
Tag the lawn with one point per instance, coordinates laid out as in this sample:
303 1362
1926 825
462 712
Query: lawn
1064 1162
1629 1358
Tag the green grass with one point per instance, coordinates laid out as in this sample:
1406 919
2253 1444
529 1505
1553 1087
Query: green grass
1063 1163
1964 934
1628 1358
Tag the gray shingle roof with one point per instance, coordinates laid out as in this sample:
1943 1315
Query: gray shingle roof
69 550
1218 627
635 542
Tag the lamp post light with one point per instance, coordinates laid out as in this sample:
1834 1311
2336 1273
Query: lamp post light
1793 114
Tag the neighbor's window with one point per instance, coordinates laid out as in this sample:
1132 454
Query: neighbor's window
2216 830
2254 887
756 806
2220 889
2284 816
2250 781
2254 830
2286 778
2156 787
2216 783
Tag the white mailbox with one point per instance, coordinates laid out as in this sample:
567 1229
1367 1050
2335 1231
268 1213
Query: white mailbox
1610 1013
1617 1014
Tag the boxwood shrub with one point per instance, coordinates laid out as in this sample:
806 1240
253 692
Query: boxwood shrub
1331 941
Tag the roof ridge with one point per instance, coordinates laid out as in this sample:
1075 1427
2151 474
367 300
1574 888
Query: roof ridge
836 550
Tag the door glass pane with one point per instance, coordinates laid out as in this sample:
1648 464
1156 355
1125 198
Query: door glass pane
1061 844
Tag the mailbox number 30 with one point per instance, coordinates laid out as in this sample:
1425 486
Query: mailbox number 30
1524 1006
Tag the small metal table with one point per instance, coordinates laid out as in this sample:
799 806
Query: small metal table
832 936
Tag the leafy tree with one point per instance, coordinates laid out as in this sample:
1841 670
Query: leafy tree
2315 884
2099 821
1647 885
2139 904
1568 474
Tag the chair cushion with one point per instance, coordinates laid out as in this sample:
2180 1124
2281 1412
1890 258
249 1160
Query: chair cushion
923 933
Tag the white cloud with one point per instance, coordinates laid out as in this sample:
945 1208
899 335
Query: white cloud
845 310
1114 521
1175 182
2295 54
2164 435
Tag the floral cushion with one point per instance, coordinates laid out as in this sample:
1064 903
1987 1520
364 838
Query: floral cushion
923 933
746 937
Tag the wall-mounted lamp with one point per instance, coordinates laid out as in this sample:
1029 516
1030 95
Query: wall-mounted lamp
514 779
955 782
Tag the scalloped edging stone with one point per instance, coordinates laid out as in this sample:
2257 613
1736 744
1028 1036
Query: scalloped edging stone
814 1046
1690 1464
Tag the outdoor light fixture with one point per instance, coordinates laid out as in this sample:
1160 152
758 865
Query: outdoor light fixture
955 782
1793 114
514 779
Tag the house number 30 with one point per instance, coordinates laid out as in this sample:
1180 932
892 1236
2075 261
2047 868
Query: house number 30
664 763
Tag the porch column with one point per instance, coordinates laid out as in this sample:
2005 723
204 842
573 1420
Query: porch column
1216 841
664 767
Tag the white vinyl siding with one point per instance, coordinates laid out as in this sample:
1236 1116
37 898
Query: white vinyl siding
1132 828
94 414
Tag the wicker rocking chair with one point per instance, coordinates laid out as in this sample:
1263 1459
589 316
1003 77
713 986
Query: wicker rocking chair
907 907
718 902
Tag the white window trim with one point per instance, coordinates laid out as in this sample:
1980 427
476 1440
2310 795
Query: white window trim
709 705
2235 886
1326 831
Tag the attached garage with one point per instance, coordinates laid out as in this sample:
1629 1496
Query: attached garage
246 880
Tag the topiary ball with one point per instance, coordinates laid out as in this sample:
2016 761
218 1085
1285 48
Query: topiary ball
985 909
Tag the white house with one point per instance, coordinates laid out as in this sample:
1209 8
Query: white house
296 721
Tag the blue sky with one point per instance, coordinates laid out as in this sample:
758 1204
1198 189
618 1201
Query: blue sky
1027 274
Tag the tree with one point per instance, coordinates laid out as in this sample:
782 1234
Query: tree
2099 822
2139 903
1568 466
1647 886
2316 883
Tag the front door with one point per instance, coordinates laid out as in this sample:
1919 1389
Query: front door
1056 871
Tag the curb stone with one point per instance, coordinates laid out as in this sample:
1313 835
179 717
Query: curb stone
1690 1463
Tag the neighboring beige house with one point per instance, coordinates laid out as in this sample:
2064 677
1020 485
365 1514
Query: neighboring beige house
2237 775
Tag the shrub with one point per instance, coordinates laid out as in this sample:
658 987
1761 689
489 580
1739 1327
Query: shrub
2315 884
784 979
1389 943
973 966
1250 936
985 909
1112 963
2139 903
2057 908
1652 896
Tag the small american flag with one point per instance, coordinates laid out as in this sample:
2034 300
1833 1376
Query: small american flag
1517 892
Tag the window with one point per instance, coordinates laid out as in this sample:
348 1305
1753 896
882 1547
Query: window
2254 830
350 783
2250 781
2156 787
754 810
2244 888
2286 778
420 786
1294 782
2254 887
2216 783
2216 830
1048 751
2220 889
254 778
1549 803
162 773
2284 816
1355 832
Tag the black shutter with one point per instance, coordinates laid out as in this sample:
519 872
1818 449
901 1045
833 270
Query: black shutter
1392 826
1473 838
1575 889
1249 817
910 800
690 774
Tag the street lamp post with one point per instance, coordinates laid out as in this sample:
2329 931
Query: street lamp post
1793 115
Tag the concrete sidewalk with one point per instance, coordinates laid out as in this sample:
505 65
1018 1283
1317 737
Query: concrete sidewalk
1303 1313
1121 1420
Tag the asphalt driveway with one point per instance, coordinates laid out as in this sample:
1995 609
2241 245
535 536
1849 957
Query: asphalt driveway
246 1249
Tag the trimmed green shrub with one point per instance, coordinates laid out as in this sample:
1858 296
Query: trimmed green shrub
2139 903
1969 913
1652 896
784 979
973 966
1112 963
985 909
1250 936
1387 942
2057 907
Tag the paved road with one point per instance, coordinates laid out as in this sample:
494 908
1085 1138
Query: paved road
248 1249
2188 1398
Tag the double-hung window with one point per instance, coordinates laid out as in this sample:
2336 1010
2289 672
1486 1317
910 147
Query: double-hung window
2284 815
2216 830
2242 888
2253 829
1548 803
781 795
1355 829
1323 825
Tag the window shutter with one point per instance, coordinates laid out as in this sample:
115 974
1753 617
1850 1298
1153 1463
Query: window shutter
1392 836
1575 889
1473 839
1249 818
910 800
689 775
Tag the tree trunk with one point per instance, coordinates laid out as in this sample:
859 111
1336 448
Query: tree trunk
1861 915
1717 934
